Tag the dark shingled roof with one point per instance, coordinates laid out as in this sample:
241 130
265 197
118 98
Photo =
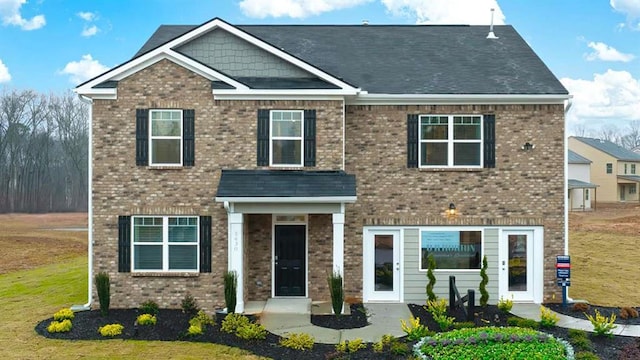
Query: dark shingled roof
575 158
407 59
276 183
610 148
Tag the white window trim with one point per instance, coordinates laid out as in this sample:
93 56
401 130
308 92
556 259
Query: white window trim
151 138
450 142
165 245
447 228
272 138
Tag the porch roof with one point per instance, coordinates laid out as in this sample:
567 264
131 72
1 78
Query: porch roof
634 178
286 186
578 184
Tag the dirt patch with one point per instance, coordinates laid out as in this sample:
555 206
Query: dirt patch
29 241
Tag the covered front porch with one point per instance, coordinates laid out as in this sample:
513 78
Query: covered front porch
285 230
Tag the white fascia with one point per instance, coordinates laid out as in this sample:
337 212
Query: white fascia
290 200
454 99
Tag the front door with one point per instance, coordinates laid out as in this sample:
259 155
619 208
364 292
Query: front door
382 265
516 265
622 191
290 260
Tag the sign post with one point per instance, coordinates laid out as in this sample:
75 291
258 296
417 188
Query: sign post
563 275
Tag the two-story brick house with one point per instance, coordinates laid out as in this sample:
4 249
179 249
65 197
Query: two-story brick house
287 152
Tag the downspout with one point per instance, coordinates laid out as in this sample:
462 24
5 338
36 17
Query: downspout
87 306
566 183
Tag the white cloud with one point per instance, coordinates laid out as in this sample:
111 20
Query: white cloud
4 73
10 14
294 8
86 15
605 52
89 31
84 69
631 8
611 98
474 12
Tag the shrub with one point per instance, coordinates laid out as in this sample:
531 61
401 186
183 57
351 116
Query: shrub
232 322
581 307
111 330
415 330
189 305
384 342
146 319
298 341
351 346
59 326
523 323
580 340
431 261
251 331
484 298
464 324
585 355
602 325
198 324
230 290
399 348
548 318
337 292
63 314
195 329
104 292
505 305
149 307
438 309
628 312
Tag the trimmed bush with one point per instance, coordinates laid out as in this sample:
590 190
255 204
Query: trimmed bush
63 314
580 307
230 290
111 330
350 346
104 292
585 355
505 305
251 331
298 341
198 324
337 292
484 297
232 322
149 307
146 319
628 312
189 305
431 261
59 326
547 318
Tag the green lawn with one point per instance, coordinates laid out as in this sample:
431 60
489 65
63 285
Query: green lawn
29 296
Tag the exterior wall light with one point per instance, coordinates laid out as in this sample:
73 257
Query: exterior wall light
452 210
528 146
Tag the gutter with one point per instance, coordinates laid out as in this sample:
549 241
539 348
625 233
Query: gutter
567 107
87 306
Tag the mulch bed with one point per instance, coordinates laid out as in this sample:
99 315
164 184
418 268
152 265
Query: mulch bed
172 325
603 310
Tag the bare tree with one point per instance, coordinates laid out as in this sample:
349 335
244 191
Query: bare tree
632 137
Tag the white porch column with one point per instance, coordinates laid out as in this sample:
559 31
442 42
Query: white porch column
338 243
235 249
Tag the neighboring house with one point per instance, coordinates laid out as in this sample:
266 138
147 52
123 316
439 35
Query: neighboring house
582 193
614 169
284 153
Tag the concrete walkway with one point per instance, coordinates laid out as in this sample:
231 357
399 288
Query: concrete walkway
283 316
532 311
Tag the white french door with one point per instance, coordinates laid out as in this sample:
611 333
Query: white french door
382 266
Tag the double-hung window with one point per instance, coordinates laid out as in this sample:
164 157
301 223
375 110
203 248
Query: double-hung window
450 141
286 137
165 134
609 168
633 168
165 243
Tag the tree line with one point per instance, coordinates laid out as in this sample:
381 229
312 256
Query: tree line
43 152
628 137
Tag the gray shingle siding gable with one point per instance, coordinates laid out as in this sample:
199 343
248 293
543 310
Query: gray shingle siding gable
408 59
610 148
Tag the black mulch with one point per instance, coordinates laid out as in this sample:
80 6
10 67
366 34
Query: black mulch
603 310
357 319
172 325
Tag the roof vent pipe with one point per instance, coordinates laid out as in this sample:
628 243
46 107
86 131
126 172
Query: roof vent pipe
491 34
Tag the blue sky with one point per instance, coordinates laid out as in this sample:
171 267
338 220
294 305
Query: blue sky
591 46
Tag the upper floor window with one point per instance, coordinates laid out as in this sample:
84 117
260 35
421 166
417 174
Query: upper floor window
625 168
286 137
609 168
165 145
450 141
165 243
633 168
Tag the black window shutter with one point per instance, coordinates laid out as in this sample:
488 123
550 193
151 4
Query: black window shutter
124 243
205 244
263 137
309 138
489 141
188 137
142 137
412 141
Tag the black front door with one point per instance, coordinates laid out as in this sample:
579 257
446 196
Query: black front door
290 260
